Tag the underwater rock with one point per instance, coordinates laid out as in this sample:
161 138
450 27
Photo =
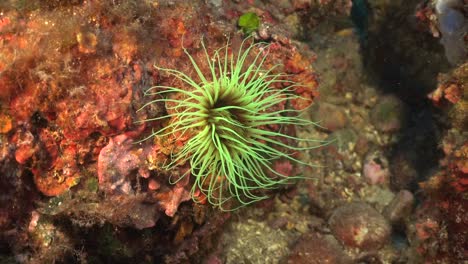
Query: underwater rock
171 200
388 115
6 123
451 96
453 26
62 176
404 171
251 241
446 195
360 226
49 242
25 146
117 161
428 236
400 207
329 116
125 210
344 138
315 248
376 169
120 163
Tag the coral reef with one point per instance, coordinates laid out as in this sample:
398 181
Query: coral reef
442 219
72 77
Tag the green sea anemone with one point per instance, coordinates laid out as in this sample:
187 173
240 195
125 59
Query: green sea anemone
226 117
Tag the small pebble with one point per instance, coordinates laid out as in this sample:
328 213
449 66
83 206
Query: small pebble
400 207
404 172
344 138
388 115
329 116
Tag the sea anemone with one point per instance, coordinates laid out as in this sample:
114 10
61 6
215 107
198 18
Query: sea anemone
226 117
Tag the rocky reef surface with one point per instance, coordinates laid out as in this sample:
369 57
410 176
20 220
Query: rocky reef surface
77 184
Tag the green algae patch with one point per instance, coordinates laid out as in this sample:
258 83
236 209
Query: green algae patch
249 22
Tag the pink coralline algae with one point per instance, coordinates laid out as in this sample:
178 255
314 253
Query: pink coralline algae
284 167
171 200
375 168
116 163
122 161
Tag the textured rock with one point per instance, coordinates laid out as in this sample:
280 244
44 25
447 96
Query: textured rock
315 248
400 207
388 115
329 116
376 169
360 226
255 242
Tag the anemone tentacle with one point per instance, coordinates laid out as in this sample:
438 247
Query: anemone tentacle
225 113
